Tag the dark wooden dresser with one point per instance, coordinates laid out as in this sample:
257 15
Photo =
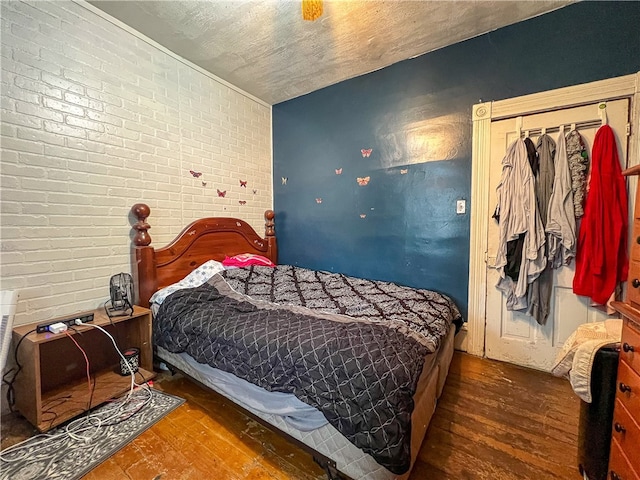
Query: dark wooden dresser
624 460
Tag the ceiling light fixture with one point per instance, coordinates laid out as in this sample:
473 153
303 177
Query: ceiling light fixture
311 9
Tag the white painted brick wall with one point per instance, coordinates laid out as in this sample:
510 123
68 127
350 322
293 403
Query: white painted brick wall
94 119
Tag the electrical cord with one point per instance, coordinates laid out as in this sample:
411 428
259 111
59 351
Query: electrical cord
115 345
48 408
144 385
113 326
11 394
93 388
82 429
86 360
113 414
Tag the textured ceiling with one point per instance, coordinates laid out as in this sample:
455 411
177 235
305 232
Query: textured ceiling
265 47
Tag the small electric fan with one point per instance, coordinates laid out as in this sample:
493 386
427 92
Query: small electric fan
121 292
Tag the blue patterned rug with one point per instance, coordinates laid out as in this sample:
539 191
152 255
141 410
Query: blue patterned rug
72 450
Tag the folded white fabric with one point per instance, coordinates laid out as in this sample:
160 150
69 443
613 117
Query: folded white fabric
575 360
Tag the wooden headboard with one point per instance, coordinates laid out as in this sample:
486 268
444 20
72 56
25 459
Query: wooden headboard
202 240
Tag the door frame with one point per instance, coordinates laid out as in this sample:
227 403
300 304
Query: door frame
484 114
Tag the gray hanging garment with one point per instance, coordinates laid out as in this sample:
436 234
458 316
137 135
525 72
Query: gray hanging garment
539 291
578 158
514 247
561 220
518 213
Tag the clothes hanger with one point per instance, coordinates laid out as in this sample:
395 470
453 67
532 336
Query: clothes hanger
519 126
602 108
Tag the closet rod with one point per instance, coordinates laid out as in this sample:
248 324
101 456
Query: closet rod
527 113
538 130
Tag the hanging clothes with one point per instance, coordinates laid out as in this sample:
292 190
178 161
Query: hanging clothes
539 292
518 215
601 261
514 247
578 158
546 149
532 156
561 219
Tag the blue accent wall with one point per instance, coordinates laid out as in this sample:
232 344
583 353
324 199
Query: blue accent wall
416 117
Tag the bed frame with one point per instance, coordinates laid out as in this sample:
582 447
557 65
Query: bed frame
202 240
205 239
213 239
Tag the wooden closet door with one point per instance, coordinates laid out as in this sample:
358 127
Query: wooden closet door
514 336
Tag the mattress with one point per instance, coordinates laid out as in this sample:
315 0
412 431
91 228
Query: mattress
325 439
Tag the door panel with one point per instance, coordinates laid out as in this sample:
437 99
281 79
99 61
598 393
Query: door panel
514 336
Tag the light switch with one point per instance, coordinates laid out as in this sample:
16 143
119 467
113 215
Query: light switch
461 207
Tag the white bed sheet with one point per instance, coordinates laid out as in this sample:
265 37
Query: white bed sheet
293 411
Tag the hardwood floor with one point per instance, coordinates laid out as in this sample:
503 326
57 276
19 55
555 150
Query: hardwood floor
494 421
499 421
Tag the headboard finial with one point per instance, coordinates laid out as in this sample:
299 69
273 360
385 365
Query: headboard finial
141 238
269 224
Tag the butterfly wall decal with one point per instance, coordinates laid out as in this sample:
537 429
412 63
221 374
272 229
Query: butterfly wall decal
242 202
195 174
204 184
284 180
366 152
362 181
318 200
404 171
338 171
221 193
255 191
363 215
243 183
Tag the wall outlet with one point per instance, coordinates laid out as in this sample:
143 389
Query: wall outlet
461 207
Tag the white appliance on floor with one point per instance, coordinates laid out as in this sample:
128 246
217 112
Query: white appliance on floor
8 301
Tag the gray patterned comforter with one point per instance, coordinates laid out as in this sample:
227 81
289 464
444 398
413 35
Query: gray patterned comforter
426 313
361 373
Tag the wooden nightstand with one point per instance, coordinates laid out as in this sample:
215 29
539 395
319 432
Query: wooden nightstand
52 386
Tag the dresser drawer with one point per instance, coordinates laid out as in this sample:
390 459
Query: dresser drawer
627 433
619 467
630 345
635 241
628 388
633 282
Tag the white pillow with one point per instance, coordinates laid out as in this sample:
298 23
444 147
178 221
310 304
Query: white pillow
196 278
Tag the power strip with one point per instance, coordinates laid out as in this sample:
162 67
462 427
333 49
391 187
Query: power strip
68 321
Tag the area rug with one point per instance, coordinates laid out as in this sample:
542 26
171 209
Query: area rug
72 450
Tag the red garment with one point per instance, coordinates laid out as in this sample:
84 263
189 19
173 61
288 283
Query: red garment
601 257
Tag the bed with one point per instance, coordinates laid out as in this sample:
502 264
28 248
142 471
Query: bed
347 368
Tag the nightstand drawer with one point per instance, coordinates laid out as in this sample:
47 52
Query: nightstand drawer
626 430
628 387
619 467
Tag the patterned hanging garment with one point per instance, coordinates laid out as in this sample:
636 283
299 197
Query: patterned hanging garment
578 157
